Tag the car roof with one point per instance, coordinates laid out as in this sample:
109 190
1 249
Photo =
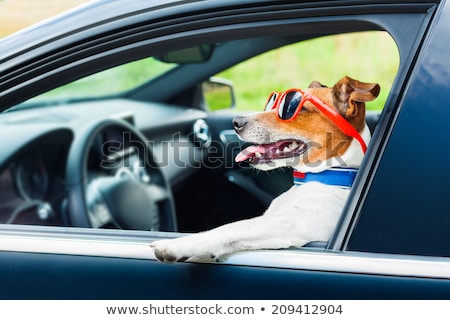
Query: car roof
72 21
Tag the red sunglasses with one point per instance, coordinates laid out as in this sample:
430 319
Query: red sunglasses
289 103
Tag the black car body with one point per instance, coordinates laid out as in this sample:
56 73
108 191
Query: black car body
393 238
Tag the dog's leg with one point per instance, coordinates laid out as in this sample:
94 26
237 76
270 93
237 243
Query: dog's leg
267 231
283 225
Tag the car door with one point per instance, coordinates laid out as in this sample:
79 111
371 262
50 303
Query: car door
77 263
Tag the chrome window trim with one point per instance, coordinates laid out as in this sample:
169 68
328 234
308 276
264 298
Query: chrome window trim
134 245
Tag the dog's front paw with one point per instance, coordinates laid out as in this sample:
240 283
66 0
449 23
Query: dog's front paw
181 249
166 251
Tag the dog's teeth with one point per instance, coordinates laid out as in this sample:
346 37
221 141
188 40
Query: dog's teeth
258 155
293 145
286 149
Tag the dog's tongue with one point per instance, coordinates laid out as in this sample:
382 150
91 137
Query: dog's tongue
264 153
249 152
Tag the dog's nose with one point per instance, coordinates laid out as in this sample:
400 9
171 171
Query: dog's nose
239 123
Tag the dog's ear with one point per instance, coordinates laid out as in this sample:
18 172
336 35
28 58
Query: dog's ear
316 84
350 95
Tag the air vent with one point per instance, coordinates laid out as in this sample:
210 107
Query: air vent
202 134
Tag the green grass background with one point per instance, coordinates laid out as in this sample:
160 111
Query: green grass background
366 56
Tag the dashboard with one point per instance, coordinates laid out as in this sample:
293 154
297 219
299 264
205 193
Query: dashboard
33 162
32 185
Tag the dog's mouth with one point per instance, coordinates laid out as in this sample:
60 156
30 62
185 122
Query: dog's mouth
265 153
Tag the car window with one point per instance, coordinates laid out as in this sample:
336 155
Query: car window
295 65
367 56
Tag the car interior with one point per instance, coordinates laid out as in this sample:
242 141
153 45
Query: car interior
156 156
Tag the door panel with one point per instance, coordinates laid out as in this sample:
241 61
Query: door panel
50 276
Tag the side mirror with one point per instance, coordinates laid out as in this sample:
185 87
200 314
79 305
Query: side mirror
218 94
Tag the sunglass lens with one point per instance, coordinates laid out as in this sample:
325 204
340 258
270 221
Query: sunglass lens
289 105
270 102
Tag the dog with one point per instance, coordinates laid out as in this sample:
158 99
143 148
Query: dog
322 134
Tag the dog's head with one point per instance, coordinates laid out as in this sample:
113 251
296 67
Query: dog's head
310 141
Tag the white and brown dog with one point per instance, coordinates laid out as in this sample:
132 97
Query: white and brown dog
321 133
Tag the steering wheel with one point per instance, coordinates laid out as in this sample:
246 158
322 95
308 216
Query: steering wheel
134 195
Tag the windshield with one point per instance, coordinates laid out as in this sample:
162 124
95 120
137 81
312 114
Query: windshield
111 82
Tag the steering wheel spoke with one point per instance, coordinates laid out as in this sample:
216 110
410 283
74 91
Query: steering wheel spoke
157 193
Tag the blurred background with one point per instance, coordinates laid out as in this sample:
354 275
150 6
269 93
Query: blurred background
366 56
18 14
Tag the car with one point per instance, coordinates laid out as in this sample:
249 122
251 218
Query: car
116 130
